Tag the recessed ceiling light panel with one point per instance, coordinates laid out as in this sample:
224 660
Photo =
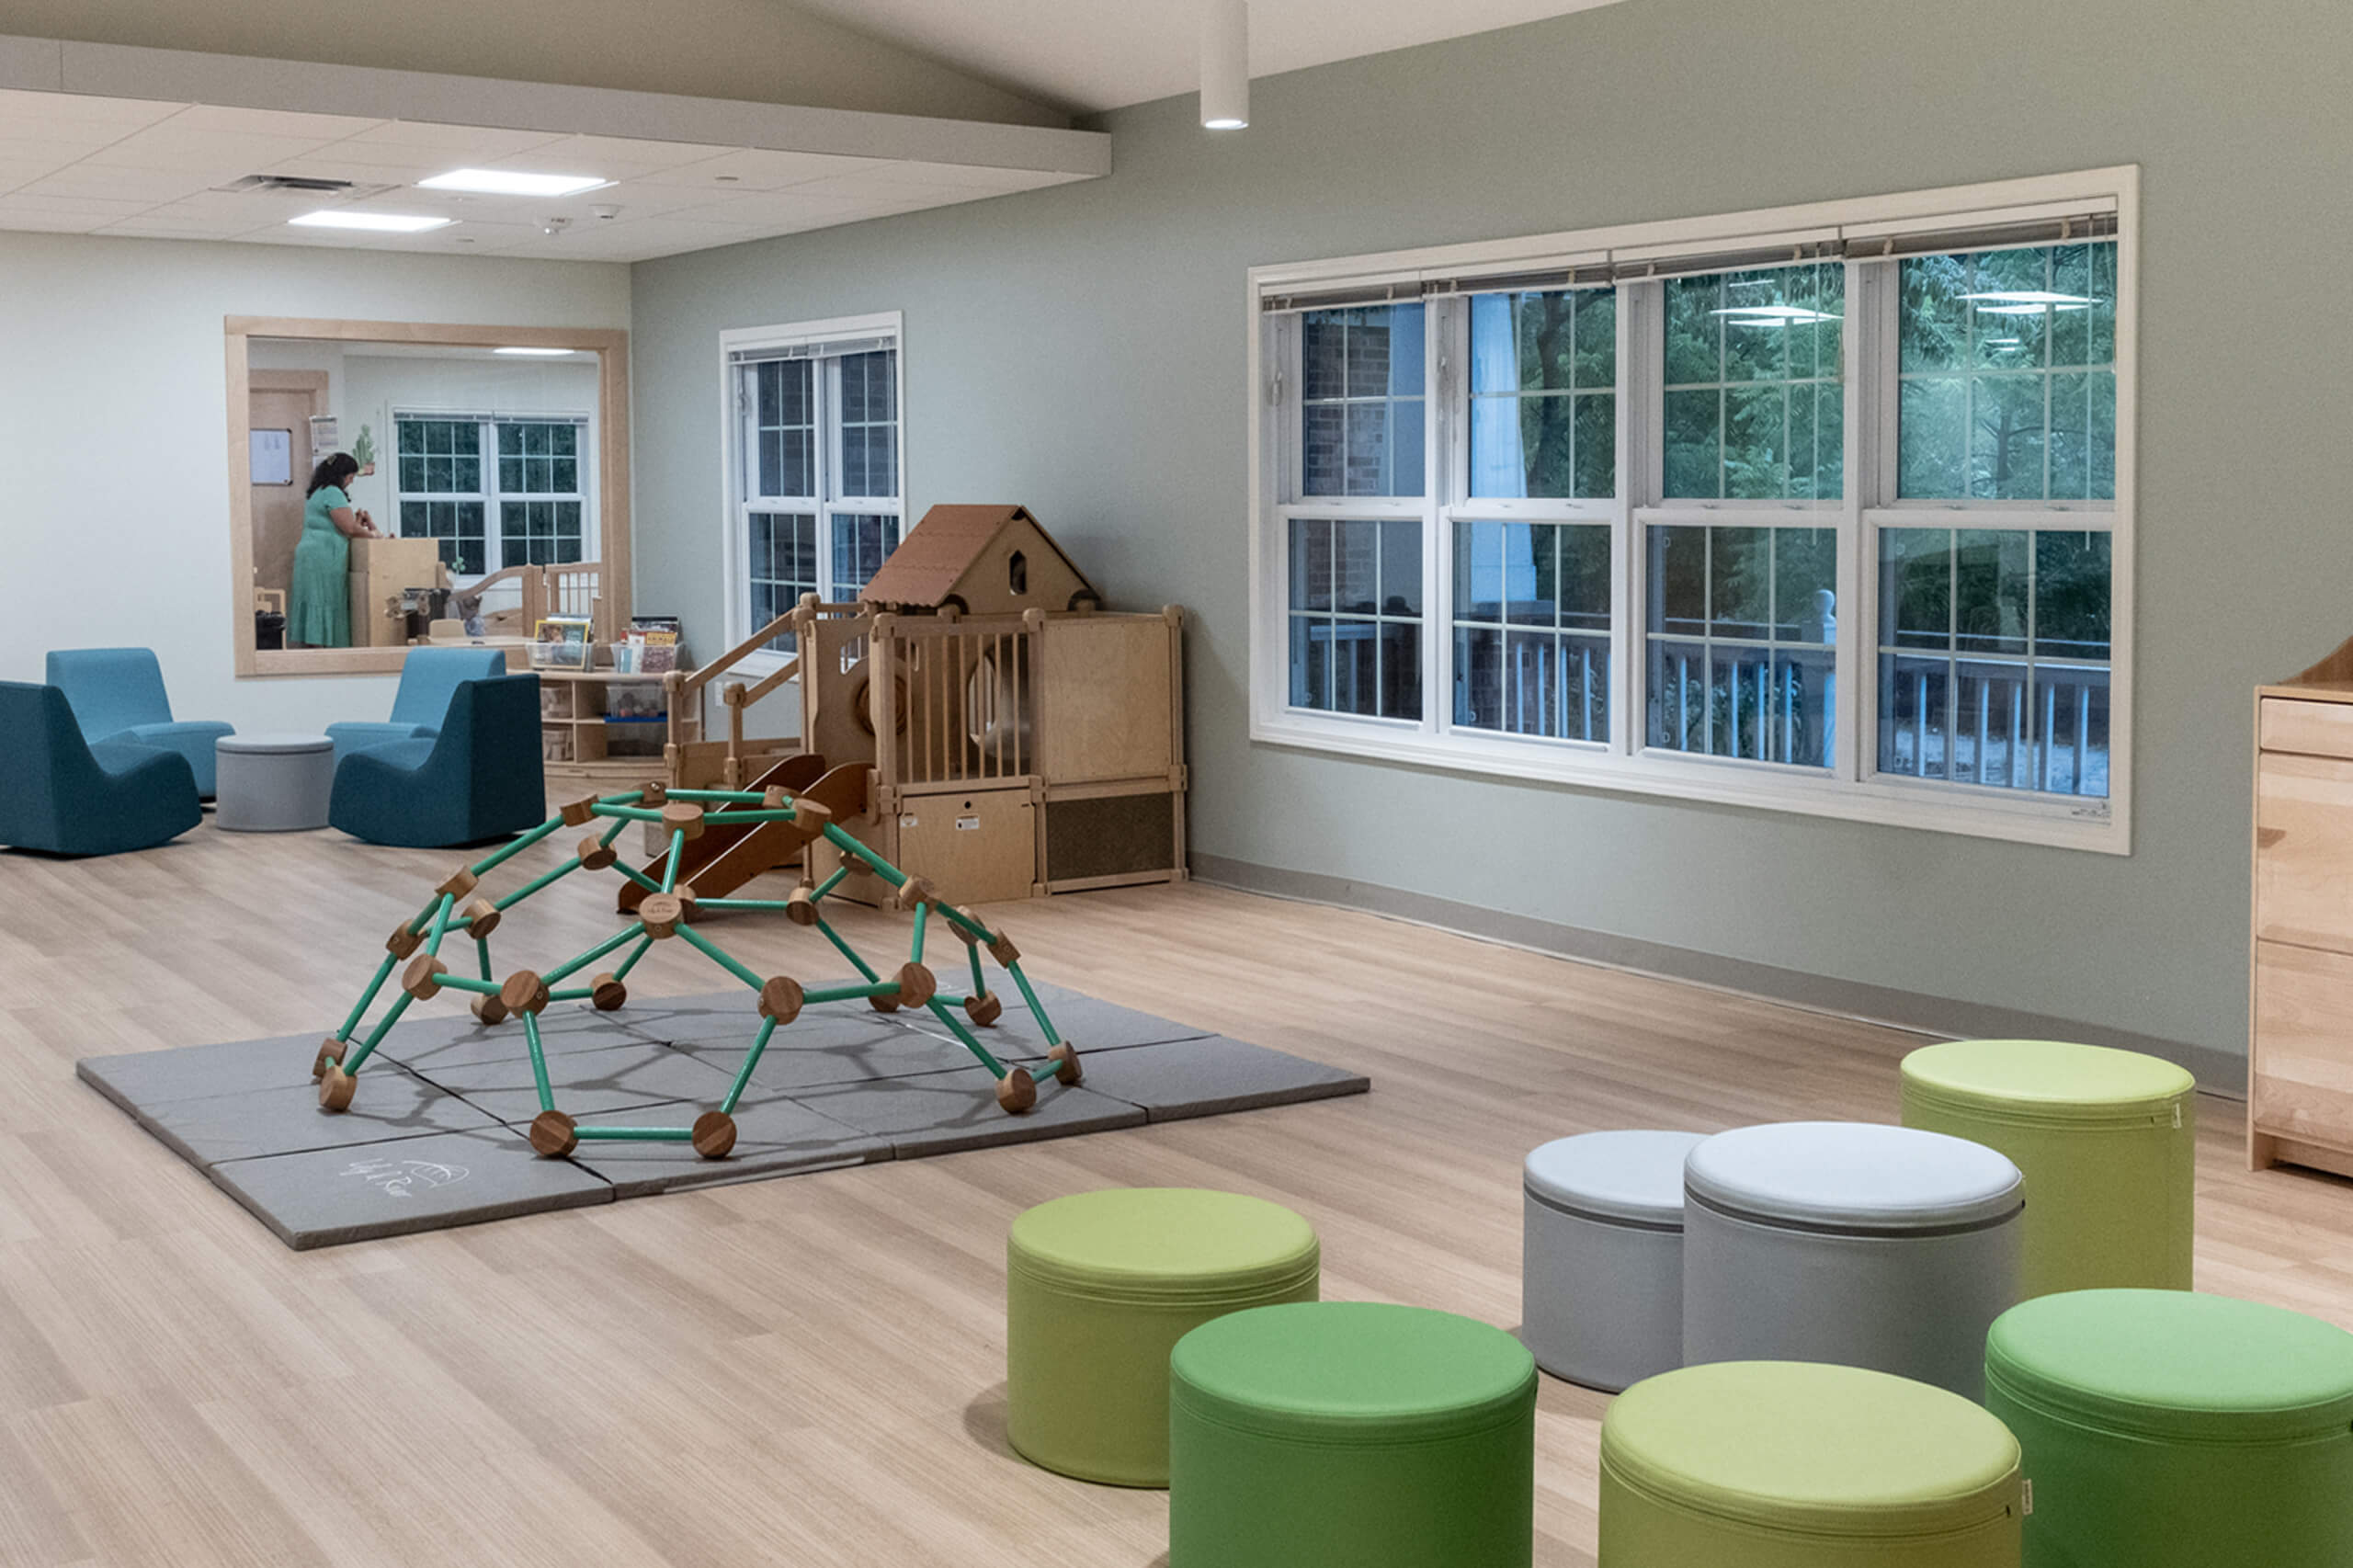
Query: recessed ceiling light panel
514 182
536 353
379 222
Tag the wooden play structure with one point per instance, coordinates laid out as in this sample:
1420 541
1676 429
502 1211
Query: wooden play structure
666 908
976 718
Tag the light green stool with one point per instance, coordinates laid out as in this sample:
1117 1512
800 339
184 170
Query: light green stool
2164 1429
1100 1286
2106 1139
1801 1464
1351 1434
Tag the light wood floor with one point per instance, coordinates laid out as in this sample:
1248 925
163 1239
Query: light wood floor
805 1370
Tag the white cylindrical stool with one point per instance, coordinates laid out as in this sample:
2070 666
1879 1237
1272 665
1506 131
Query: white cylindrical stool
272 783
1601 1268
1874 1246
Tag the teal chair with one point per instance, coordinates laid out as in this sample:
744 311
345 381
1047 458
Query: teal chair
64 794
117 694
479 778
428 676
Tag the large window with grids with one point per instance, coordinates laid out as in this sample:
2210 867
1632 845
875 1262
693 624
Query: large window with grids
493 491
1836 521
814 466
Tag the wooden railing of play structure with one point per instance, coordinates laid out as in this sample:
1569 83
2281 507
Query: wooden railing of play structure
731 762
960 694
543 591
945 700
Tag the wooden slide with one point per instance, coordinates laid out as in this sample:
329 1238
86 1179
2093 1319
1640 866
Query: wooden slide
725 858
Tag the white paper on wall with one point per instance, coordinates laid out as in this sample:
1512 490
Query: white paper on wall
271 459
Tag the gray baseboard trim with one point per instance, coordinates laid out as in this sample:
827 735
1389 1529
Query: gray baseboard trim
2218 1072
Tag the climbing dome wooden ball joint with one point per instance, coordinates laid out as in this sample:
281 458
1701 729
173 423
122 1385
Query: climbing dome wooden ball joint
668 911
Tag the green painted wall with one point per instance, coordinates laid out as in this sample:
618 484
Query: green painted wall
1081 350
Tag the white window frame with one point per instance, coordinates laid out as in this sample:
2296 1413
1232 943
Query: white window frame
736 523
1852 787
491 495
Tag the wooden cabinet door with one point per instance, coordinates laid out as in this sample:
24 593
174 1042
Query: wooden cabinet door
2303 1083
2303 838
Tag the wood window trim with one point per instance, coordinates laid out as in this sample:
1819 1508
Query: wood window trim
610 345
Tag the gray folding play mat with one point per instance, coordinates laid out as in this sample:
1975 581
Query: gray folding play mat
436 1135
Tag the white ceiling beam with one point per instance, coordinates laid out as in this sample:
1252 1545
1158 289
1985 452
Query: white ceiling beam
118 71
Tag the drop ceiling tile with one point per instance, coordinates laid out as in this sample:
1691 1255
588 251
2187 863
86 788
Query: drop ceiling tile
253 206
76 109
48 153
226 152
145 226
870 185
961 177
47 220
98 207
637 199
780 206
273 122
113 184
476 142
367 162
639 241
760 168
14 173
610 158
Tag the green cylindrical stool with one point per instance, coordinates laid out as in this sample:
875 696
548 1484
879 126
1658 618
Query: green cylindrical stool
1351 1434
2107 1141
1100 1286
2164 1429
1801 1464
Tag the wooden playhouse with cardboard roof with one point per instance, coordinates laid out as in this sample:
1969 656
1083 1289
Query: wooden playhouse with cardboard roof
981 721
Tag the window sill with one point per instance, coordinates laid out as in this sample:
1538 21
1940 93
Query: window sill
2095 826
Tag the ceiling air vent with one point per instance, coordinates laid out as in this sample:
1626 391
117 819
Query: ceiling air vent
267 183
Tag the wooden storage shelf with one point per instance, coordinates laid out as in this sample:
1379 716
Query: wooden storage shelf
2300 1002
577 731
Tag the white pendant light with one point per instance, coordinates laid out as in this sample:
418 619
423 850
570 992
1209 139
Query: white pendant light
1225 65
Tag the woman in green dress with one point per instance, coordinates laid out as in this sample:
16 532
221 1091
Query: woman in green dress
319 600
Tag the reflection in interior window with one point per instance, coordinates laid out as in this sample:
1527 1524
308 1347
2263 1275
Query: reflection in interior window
2007 370
1754 407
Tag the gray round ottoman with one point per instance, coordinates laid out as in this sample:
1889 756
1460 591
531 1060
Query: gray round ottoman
1602 1264
1883 1248
272 783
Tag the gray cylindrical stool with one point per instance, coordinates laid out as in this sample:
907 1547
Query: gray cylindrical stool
1601 1266
1884 1247
273 783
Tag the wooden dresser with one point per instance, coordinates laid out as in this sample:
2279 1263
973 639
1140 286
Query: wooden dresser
2299 1046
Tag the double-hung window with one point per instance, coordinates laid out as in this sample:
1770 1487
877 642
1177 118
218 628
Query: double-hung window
1825 509
495 491
814 465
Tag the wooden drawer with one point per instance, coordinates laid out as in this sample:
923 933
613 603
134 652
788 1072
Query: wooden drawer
2303 844
2301 1082
2314 729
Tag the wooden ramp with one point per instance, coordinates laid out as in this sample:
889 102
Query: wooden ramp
723 859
